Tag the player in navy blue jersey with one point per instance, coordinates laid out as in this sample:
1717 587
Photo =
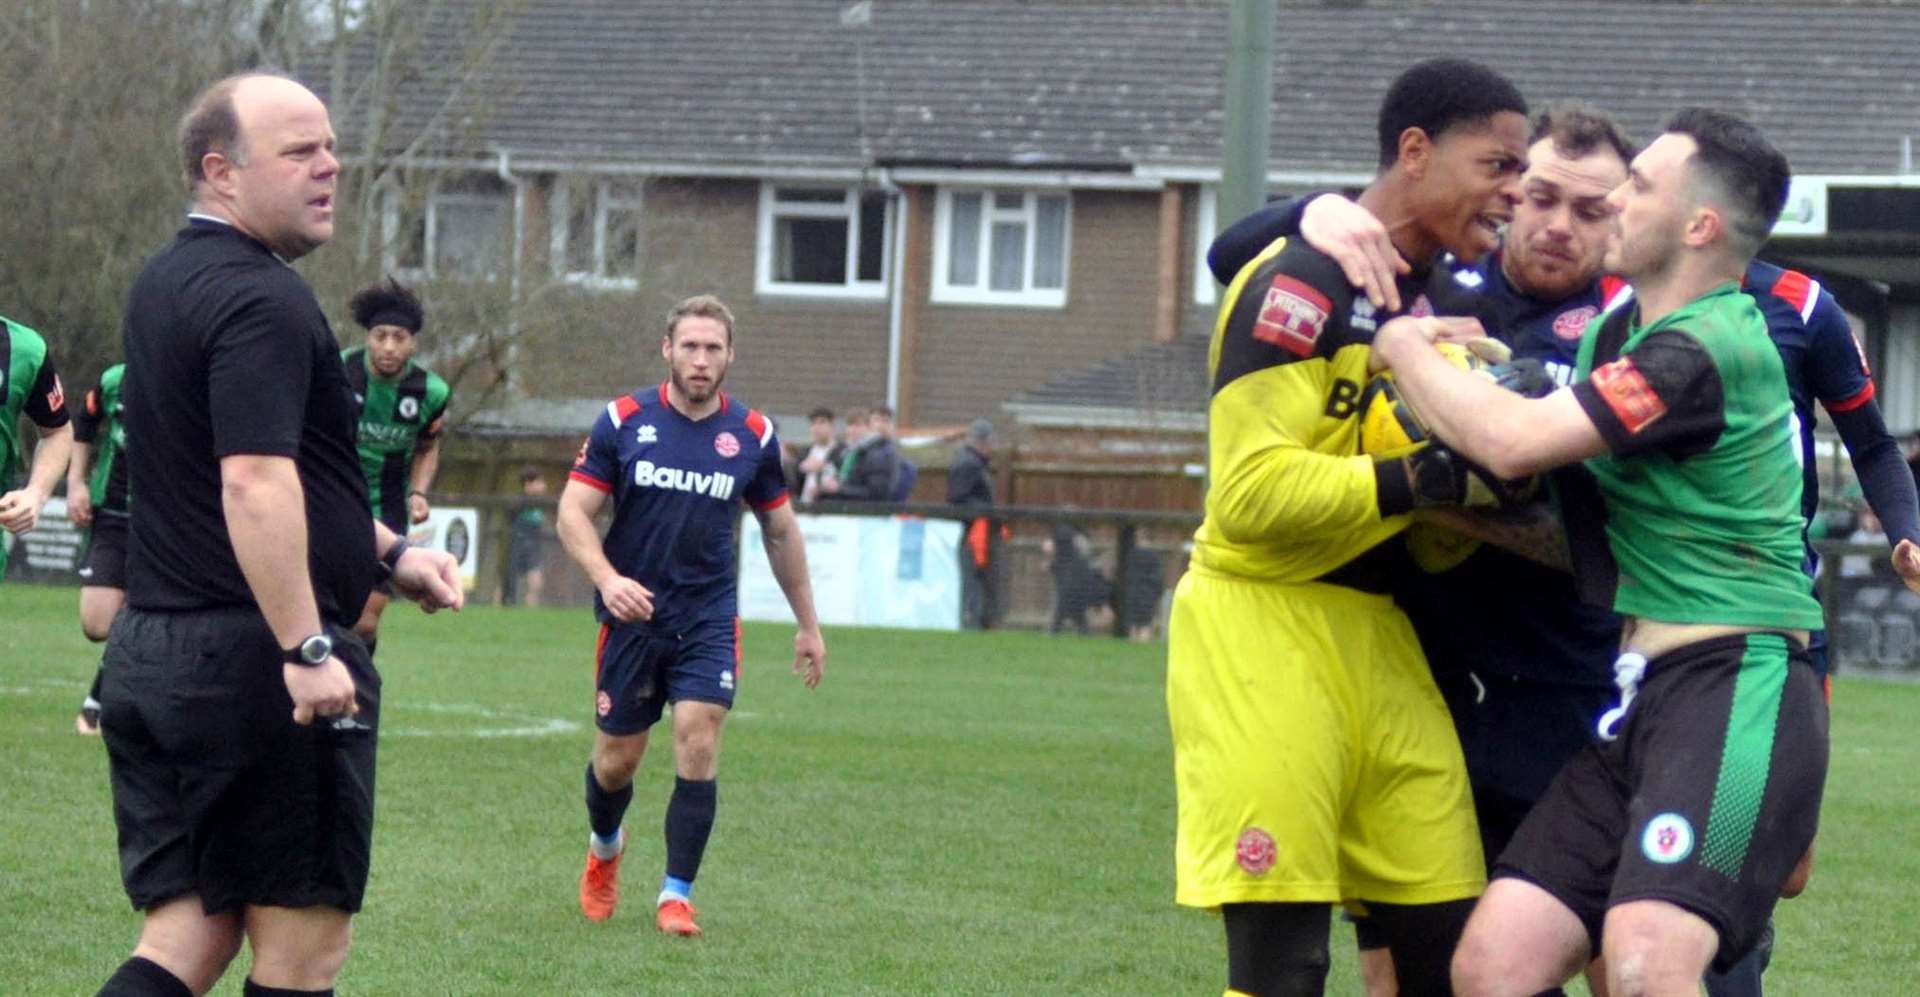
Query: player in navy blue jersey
677 460
1525 666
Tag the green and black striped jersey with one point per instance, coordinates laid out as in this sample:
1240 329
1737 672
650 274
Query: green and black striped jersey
98 423
396 415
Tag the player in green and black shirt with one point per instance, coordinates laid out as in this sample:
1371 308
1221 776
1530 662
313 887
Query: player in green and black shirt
402 408
1664 847
97 501
29 386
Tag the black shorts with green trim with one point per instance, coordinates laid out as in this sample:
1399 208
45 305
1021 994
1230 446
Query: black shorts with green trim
1707 800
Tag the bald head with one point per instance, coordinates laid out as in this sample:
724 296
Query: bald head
257 150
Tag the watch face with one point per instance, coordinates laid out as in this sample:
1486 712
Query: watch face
316 649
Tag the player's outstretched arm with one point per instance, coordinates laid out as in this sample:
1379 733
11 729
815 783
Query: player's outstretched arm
625 598
20 509
1358 242
1506 433
787 555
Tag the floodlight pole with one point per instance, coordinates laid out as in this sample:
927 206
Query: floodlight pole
1247 131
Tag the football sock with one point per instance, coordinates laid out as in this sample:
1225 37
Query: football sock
605 808
1422 937
672 889
258 990
1277 949
142 977
689 823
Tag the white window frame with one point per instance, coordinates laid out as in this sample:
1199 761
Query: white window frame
1206 212
1028 213
428 268
607 198
848 210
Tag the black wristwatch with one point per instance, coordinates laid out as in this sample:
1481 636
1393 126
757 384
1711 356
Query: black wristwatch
390 561
312 652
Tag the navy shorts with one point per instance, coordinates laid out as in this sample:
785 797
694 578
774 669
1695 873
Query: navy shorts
637 672
1707 801
216 791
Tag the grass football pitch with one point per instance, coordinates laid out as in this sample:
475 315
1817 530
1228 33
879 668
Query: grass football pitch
948 813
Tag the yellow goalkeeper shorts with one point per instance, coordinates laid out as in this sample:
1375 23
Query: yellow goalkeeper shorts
1313 757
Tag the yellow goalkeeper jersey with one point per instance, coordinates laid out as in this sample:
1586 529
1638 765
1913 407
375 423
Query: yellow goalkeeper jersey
1290 497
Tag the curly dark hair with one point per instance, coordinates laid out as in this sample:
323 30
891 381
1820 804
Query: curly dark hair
1439 94
388 303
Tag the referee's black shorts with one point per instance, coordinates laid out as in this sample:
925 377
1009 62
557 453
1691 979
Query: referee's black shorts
216 791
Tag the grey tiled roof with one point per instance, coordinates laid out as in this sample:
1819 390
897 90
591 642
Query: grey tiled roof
750 84
1157 380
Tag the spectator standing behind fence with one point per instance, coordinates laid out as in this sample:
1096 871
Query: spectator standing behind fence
526 543
871 468
970 482
1078 586
821 463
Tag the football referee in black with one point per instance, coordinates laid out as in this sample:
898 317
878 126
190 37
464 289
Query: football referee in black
241 714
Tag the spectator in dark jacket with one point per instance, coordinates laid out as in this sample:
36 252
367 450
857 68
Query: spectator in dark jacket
872 465
820 463
1078 585
970 482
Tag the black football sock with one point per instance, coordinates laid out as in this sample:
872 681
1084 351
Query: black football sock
605 807
261 990
689 824
142 977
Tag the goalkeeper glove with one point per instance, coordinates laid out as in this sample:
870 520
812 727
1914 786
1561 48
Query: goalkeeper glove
1434 475
1526 377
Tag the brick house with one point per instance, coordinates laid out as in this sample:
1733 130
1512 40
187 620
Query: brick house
998 207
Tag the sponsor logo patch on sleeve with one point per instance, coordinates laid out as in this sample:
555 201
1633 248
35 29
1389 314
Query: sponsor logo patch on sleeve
57 398
1627 393
1292 316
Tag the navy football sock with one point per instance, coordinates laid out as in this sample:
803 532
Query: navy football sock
142 977
689 823
606 807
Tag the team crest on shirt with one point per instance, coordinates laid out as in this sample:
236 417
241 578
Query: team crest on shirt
1361 316
1292 315
1255 851
1667 839
603 703
409 407
726 445
1572 322
647 434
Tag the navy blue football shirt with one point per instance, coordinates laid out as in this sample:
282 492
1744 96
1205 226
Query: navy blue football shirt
675 482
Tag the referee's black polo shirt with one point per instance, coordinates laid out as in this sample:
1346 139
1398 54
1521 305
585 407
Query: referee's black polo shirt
228 353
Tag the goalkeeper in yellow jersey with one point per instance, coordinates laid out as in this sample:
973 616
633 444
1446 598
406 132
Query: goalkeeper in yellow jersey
1314 760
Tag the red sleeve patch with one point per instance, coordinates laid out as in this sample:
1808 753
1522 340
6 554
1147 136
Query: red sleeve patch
93 403
1792 287
57 398
625 406
757 425
580 457
1627 393
1292 316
